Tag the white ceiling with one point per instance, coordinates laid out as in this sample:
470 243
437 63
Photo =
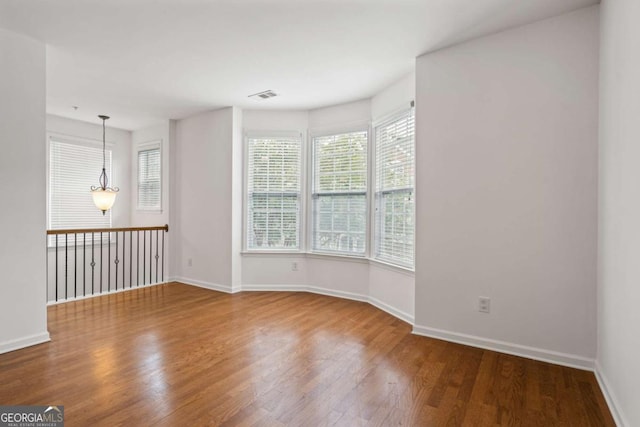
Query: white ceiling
142 61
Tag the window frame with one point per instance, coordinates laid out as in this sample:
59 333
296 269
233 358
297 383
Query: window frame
306 205
84 142
334 131
146 146
270 134
376 228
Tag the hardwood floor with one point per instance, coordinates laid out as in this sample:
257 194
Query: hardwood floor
178 355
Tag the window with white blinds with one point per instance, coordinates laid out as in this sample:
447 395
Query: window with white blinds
273 193
394 190
339 193
149 178
73 169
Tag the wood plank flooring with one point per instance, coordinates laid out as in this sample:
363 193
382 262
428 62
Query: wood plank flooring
177 355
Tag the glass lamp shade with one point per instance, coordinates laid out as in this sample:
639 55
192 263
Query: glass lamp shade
104 198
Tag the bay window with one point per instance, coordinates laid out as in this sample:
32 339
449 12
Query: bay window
273 193
394 190
339 193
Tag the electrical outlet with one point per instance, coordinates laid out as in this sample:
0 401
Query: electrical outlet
190 262
294 266
484 304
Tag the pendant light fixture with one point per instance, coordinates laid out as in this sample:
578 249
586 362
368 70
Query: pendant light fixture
104 196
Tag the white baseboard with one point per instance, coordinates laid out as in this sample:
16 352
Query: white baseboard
273 288
23 342
564 359
304 288
391 310
207 285
609 396
558 358
406 317
339 294
115 291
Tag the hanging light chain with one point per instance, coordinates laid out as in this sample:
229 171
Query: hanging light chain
103 176
104 180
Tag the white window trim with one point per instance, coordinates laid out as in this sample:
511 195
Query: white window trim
387 118
75 140
358 126
143 146
253 133
306 215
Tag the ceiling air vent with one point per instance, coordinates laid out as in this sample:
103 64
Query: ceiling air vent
263 95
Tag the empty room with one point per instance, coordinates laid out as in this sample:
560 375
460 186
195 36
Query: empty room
320 212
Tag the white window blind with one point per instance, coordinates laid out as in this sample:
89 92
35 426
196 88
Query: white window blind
273 193
339 194
394 190
149 179
73 169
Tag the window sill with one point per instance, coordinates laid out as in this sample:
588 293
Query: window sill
361 259
273 252
393 267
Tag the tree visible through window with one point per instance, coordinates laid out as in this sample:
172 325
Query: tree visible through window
273 196
340 193
394 190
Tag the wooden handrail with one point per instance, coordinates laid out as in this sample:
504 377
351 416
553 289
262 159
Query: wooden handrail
107 230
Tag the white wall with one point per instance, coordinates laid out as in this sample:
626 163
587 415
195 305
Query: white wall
507 189
393 289
341 117
165 134
389 288
273 271
120 144
619 215
237 158
23 315
275 120
119 141
202 208
396 97
159 133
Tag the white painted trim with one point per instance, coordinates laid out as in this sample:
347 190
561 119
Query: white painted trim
115 291
564 359
338 257
391 310
609 396
393 114
257 133
23 342
146 146
304 288
273 288
558 358
207 285
406 317
339 294
361 125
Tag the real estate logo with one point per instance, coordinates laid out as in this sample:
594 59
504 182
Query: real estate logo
32 416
